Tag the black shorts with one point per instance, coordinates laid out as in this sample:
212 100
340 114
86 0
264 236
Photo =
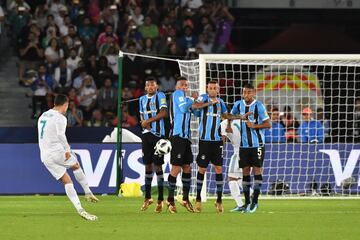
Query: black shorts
210 152
149 141
251 157
181 153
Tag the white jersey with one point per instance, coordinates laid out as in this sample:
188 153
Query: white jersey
234 137
51 134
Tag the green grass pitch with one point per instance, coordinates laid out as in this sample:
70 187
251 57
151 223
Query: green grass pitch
53 217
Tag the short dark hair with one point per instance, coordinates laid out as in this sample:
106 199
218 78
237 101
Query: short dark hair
275 109
181 78
151 79
212 82
248 85
60 100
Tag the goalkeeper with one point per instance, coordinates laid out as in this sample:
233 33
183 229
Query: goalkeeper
153 109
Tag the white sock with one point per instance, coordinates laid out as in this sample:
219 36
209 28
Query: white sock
235 192
72 195
81 178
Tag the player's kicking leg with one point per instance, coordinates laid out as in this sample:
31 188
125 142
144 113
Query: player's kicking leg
72 195
82 180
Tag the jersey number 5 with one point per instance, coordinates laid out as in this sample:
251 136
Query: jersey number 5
43 122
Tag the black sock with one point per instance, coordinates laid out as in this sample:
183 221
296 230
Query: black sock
160 181
186 178
172 185
199 184
257 187
246 189
219 186
148 180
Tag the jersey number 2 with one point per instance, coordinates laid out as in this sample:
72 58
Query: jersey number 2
43 122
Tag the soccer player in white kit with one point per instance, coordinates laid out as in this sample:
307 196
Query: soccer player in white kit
234 172
56 155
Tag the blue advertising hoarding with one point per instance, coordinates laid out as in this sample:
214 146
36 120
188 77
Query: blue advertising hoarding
22 172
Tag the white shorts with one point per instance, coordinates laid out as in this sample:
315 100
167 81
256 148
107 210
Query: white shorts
57 165
234 171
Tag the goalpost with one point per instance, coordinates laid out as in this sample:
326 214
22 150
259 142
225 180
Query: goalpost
327 84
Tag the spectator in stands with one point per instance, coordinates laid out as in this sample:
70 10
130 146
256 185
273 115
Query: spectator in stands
127 119
112 58
102 37
131 36
275 134
73 60
40 15
321 117
148 29
153 12
97 119
137 16
31 55
53 53
87 97
110 16
204 43
62 77
167 82
55 6
41 88
14 5
18 19
107 97
47 77
64 29
291 124
106 47
223 21
94 11
74 115
74 10
131 65
50 33
310 131
73 96
87 32
71 38
188 40
78 81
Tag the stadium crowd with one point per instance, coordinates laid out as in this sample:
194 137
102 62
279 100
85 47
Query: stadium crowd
72 47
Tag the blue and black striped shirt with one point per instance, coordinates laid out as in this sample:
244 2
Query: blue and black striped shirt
149 107
210 118
180 114
251 138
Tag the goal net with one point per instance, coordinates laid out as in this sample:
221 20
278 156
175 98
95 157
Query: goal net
325 85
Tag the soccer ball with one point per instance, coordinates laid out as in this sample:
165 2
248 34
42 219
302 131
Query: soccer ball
162 147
